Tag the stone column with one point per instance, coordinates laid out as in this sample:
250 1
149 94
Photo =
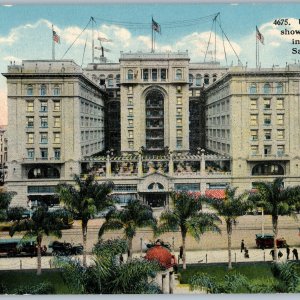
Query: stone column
108 166
171 165
202 164
140 166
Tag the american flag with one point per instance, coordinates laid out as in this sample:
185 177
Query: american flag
56 37
259 36
156 26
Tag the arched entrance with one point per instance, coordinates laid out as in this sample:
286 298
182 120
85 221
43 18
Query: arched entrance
154 121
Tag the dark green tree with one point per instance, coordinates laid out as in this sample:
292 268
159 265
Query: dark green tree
276 200
187 217
5 199
40 224
135 215
84 200
230 208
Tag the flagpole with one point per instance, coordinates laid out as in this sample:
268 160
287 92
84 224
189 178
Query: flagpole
93 46
53 45
152 36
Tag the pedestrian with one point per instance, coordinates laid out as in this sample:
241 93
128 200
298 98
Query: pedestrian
287 251
273 254
295 254
246 253
242 246
280 254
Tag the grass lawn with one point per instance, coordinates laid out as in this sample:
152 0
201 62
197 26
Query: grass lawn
13 279
255 272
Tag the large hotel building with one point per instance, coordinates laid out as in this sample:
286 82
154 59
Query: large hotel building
152 123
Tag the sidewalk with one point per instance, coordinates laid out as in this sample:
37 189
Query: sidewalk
192 257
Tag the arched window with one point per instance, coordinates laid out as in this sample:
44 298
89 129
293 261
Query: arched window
56 90
267 88
178 74
118 79
43 90
267 168
206 79
191 78
29 90
102 79
214 77
43 172
110 80
130 75
198 79
253 88
279 88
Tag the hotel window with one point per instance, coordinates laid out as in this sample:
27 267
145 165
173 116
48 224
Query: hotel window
30 153
30 138
279 88
267 88
130 134
56 105
56 122
280 134
130 101
267 150
179 111
110 80
44 138
29 90
267 119
254 149
179 101
56 90
191 79
280 150
130 90
30 106
130 122
56 137
44 106
179 143
179 132
154 74
279 104
118 79
145 74
44 153
179 89
163 74
254 135
197 93
280 119
253 120
214 77
267 103
253 88
190 93
267 134
44 122
206 79
43 90
30 122
130 75
198 80
130 111
130 144
57 153
178 75
179 122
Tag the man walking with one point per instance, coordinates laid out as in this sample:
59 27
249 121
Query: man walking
287 252
242 246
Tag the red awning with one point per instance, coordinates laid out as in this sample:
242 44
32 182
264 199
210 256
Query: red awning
220 194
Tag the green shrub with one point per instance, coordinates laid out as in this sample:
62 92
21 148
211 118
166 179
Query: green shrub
38 289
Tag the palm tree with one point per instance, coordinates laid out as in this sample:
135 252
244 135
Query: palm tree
230 208
276 200
84 200
5 199
40 224
135 215
107 275
187 216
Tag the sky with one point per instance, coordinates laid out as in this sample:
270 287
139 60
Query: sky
25 32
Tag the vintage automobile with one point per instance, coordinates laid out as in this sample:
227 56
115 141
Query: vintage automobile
18 247
64 249
267 241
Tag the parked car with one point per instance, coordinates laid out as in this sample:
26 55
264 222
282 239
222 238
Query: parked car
267 241
64 249
17 247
